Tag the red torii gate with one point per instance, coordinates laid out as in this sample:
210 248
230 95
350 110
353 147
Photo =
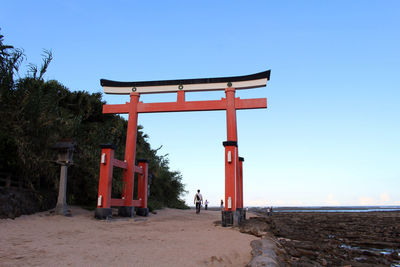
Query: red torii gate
233 212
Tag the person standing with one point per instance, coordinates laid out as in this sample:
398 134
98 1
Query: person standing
205 204
198 200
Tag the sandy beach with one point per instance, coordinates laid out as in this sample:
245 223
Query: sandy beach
168 238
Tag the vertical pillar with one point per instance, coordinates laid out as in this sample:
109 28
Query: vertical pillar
103 210
61 207
231 114
180 97
241 181
229 216
230 175
241 212
130 151
143 187
238 185
230 145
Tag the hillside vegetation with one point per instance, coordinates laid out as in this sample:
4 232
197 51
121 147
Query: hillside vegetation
36 113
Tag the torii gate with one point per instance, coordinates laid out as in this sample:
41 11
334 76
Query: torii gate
233 212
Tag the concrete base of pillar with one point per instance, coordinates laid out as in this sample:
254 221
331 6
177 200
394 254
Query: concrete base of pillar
233 218
242 214
126 211
103 213
142 211
227 218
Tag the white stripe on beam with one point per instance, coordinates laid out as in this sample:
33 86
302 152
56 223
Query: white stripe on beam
186 87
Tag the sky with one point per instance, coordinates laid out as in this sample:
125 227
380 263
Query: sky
330 134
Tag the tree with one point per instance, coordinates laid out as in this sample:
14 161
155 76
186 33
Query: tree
35 114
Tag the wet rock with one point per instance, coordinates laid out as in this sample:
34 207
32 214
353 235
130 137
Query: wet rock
395 256
334 239
262 261
255 226
263 252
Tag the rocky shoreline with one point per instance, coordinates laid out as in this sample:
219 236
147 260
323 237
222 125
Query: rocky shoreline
325 239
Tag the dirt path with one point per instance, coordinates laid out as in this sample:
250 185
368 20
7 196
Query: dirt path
169 238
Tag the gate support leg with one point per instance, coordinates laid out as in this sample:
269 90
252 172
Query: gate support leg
229 216
143 187
128 210
103 210
238 185
239 191
240 209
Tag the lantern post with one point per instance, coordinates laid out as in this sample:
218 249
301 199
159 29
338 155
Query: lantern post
65 149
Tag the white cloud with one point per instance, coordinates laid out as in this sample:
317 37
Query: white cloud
332 201
366 201
267 203
385 198
296 203
257 203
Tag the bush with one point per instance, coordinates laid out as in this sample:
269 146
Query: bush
35 114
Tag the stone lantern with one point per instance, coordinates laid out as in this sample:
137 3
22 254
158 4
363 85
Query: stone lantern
65 149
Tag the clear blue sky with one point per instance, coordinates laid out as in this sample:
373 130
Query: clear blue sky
330 135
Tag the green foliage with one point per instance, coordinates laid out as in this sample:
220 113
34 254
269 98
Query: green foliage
154 204
35 114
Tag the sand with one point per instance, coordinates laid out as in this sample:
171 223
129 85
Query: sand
168 238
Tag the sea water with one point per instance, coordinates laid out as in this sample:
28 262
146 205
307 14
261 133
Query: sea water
384 251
